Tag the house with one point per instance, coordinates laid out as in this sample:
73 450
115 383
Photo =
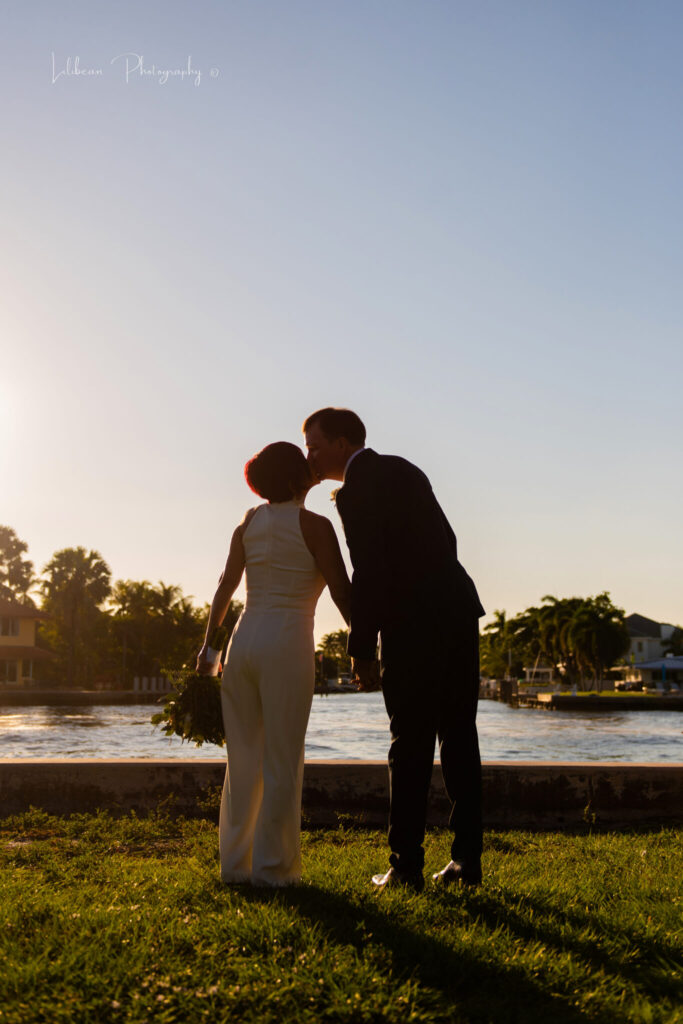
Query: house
18 651
541 674
647 638
661 673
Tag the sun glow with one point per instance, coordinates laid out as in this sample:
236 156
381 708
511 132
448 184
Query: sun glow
9 406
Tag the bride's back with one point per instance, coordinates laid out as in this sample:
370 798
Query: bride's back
281 573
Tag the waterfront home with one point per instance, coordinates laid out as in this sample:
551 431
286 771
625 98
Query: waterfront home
18 651
647 638
658 674
540 675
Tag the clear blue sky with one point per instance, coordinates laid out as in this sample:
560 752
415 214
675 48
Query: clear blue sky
461 219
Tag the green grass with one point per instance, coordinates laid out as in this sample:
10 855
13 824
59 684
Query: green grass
127 920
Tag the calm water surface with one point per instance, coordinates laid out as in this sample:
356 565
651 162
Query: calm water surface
353 726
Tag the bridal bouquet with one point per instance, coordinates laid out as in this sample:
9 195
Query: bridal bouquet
192 710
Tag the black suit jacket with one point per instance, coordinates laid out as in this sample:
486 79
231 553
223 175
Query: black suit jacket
403 550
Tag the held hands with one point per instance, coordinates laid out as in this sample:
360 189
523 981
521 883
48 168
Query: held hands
366 675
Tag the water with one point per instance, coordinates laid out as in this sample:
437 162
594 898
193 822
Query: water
352 726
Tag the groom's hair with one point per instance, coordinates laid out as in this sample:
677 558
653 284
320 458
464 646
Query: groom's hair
336 423
279 472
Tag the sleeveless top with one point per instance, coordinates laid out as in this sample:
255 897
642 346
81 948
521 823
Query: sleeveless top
281 573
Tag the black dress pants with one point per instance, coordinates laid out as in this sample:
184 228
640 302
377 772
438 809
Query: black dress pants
430 684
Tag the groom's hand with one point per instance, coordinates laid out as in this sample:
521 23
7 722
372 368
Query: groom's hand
366 675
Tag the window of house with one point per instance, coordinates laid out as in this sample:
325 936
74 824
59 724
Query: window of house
640 645
27 668
8 671
9 626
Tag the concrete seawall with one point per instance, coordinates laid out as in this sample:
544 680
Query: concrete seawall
541 795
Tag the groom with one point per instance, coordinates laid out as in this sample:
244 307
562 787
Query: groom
409 587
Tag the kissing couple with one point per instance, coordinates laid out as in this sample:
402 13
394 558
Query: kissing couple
408 589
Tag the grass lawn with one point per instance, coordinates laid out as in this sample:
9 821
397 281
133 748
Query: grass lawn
127 920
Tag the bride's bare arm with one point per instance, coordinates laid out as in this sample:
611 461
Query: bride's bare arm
227 585
321 541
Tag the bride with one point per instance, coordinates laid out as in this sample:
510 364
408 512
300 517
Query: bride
267 688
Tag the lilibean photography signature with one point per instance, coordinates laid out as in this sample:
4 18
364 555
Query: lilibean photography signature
130 67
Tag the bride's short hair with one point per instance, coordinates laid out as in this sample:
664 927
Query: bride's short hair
279 472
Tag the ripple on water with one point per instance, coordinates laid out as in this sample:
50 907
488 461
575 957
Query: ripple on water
352 726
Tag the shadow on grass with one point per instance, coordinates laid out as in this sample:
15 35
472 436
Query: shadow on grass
643 970
482 991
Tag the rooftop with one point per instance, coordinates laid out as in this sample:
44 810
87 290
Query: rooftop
640 625
20 611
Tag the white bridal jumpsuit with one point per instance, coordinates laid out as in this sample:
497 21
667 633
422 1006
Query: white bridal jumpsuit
266 693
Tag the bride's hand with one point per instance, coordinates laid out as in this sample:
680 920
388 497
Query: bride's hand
204 666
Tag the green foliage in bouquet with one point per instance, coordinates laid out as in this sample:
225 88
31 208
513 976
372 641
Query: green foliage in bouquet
192 710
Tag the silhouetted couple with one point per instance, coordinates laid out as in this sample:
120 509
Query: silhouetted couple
408 590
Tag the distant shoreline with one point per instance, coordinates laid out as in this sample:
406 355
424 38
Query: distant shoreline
545 701
602 702
65 698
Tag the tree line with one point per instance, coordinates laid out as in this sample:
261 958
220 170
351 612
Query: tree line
111 631
579 637
332 660
97 629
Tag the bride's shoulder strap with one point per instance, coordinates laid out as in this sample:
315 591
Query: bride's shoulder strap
248 516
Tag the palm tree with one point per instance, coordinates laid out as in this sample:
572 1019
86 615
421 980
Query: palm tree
158 628
166 597
497 641
559 615
77 583
529 634
16 572
597 636
133 604
332 646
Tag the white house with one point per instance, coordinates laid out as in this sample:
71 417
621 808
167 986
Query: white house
647 638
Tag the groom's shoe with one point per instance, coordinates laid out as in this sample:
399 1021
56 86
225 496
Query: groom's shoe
456 873
397 879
